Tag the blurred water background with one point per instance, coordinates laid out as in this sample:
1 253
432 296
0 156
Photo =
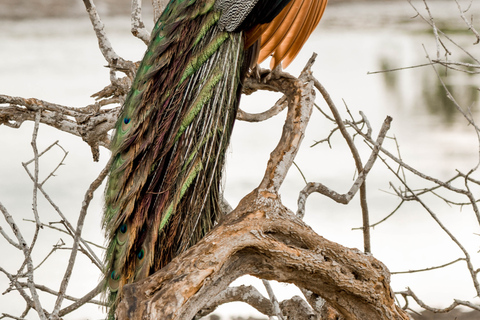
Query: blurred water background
57 59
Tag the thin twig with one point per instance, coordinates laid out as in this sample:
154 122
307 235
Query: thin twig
444 228
344 198
455 303
81 219
470 26
430 268
85 299
358 163
69 226
273 299
28 260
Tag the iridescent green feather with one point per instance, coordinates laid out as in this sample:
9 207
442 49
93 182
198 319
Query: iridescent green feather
170 142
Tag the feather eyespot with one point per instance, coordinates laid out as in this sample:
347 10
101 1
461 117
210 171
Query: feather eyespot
140 254
122 234
126 124
114 276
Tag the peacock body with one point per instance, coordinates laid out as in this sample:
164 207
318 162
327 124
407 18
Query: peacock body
172 133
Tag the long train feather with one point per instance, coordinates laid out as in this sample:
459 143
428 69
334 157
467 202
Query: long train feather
170 140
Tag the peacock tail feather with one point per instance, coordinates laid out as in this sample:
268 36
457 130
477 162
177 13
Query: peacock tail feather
169 145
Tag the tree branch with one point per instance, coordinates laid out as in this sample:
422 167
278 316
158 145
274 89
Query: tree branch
258 241
91 123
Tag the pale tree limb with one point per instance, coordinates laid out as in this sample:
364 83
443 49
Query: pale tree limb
294 308
6 315
447 52
279 106
138 27
15 285
451 97
114 60
91 123
430 268
435 31
273 299
246 294
455 240
85 299
301 100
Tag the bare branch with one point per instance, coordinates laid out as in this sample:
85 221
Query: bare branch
36 170
456 303
68 226
28 259
10 240
85 299
300 106
279 106
247 294
138 27
444 35
470 26
468 259
114 61
430 268
273 299
344 198
91 123
81 219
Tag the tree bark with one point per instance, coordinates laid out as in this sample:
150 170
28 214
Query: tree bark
264 239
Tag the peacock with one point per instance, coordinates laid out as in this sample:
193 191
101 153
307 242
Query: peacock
168 147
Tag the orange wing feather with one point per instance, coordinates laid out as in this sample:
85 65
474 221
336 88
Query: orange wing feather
302 36
293 32
285 35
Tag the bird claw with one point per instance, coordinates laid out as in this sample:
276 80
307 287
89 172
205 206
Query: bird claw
255 72
275 73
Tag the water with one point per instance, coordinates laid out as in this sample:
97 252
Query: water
58 61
